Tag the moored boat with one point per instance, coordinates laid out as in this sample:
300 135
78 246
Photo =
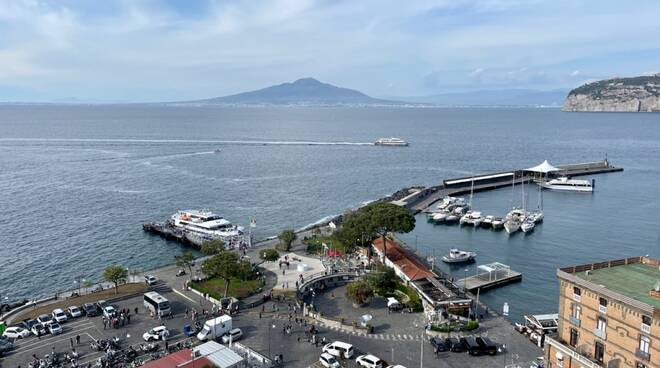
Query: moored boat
569 185
527 226
459 256
205 224
497 223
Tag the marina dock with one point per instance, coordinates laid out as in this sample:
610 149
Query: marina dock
171 233
422 199
490 276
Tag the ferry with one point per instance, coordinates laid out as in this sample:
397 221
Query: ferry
205 223
391 142
566 184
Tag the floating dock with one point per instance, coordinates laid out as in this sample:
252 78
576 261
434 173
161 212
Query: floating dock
490 276
171 233
421 199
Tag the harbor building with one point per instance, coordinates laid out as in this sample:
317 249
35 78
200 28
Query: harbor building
609 315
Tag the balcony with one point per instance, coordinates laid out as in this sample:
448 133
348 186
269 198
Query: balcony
600 333
643 355
574 321
646 328
582 358
602 309
577 297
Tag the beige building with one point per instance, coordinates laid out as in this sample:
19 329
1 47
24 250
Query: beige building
609 315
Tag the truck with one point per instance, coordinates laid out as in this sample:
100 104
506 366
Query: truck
215 328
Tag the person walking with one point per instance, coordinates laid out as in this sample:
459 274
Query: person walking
136 310
78 339
71 341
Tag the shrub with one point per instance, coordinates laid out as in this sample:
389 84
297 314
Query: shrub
471 325
359 292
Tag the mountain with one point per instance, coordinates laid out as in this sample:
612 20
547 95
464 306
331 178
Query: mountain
303 92
617 95
503 97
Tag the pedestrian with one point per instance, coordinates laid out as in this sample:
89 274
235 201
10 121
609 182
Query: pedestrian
283 272
186 313
78 339
167 346
105 323
136 310
71 341
128 318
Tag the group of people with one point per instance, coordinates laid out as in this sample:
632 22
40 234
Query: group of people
121 318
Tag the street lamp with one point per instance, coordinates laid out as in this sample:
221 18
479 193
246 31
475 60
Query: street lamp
465 281
269 328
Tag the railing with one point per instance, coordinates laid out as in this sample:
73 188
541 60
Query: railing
600 333
602 309
574 321
577 297
646 328
642 355
581 358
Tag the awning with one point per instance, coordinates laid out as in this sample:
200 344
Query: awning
544 168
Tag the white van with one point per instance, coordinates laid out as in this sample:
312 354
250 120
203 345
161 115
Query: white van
339 349
328 361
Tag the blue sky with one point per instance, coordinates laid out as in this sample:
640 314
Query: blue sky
177 50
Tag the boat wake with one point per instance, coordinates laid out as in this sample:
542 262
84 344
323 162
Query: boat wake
186 141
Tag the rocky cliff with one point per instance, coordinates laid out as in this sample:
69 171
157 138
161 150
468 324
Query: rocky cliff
618 94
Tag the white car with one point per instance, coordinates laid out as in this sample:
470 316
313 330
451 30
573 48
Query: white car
109 311
45 319
328 361
59 315
16 333
38 329
150 280
74 311
369 361
233 335
156 333
54 328
339 349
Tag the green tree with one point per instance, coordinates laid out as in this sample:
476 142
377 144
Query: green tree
185 260
212 247
379 219
224 265
359 291
286 237
269 255
383 279
115 274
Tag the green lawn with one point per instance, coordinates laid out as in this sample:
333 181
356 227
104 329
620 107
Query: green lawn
314 244
237 288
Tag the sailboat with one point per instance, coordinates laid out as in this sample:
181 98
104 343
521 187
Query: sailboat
515 217
537 215
471 217
527 224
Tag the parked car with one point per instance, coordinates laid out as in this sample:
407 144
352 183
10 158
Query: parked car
28 323
471 345
339 349
38 329
45 319
369 361
74 312
59 315
101 304
455 345
328 361
156 333
90 310
109 311
16 332
180 272
487 345
54 328
439 344
150 280
5 346
189 331
233 335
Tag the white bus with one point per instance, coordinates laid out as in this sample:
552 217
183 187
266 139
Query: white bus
157 304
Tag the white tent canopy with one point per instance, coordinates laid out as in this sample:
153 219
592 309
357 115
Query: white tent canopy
544 168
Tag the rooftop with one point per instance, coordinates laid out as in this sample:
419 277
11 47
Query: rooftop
409 265
633 277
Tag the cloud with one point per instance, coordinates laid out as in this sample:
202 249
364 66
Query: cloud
153 50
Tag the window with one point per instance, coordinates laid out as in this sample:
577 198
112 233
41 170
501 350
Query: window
646 324
576 290
601 324
603 302
574 337
640 365
576 311
644 344
599 352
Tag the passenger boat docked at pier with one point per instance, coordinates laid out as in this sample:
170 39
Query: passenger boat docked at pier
391 142
570 185
459 256
205 223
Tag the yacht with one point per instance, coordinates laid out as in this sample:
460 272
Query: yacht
536 216
440 216
511 226
472 218
448 203
514 220
497 223
527 225
566 184
487 221
391 142
205 223
451 218
459 256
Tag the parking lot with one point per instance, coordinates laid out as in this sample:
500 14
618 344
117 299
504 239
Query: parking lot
91 328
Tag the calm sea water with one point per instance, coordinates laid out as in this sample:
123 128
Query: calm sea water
78 182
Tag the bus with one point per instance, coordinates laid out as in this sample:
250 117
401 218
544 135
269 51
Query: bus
157 304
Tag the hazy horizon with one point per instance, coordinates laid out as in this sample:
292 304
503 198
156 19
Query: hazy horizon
159 50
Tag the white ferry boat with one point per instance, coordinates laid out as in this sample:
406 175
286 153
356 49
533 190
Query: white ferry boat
566 184
390 142
205 223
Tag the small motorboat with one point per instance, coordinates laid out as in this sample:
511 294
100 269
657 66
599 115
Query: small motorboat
487 221
527 226
217 150
459 256
497 223
451 218
440 216
511 225
472 218
536 216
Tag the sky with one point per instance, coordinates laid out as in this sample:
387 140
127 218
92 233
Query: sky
172 50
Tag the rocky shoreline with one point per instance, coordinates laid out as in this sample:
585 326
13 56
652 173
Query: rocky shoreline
637 94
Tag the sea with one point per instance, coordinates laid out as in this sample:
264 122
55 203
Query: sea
78 182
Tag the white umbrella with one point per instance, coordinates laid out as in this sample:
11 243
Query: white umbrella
543 168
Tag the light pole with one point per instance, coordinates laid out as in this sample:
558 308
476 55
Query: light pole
269 328
465 281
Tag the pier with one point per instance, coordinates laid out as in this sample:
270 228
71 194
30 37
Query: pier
490 276
421 199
